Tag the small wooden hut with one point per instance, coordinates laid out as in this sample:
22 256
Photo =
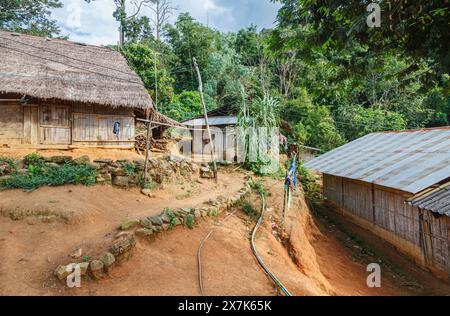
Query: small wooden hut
393 184
60 94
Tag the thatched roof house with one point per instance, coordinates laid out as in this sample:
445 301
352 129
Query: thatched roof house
57 92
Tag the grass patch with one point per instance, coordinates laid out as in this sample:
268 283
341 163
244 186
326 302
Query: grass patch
40 175
258 186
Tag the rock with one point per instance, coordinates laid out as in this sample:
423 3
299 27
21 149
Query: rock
93 165
83 268
62 272
205 169
146 223
139 163
83 160
213 202
197 214
165 218
120 181
207 175
123 246
148 192
32 220
156 220
96 269
116 172
60 160
213 211
157 229
175 159
144 232
129 225
100 179
194 168
186 210
108 261
122 234
77 254
47 219
165 227
104 161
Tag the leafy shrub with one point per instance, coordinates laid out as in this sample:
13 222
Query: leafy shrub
309 184
187 105
130 169
50 176
190 221
34 159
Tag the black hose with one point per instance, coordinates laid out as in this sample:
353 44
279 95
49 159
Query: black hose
261 263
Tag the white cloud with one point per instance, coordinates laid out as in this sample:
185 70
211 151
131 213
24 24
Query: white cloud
97 26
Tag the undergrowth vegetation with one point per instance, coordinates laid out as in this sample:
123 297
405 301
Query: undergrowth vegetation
39 174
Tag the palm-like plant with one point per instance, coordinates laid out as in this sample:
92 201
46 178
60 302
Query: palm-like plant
261 118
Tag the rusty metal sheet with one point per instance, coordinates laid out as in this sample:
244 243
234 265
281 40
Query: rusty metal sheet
436 201
410 161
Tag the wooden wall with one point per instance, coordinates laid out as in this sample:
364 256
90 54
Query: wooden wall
11 123
385 212
53 123
93 126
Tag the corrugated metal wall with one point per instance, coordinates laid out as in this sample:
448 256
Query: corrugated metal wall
388 210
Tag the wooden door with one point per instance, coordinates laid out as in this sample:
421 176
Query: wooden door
55 127
30 125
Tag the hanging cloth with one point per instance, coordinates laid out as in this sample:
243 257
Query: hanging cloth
291 177
116 128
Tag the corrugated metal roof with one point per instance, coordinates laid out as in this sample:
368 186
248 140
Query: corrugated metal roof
437 200
213 121
410 161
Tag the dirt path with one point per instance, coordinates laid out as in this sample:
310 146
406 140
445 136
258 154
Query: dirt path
30 249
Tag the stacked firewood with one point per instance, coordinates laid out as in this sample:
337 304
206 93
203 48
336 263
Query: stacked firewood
156 145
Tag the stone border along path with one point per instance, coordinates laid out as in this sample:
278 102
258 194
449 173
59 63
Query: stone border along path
148 227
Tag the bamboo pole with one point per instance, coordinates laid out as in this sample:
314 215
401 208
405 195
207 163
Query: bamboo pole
205 111
147 147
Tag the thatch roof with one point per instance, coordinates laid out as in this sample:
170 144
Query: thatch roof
59 69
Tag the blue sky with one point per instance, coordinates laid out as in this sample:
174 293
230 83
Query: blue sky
94 24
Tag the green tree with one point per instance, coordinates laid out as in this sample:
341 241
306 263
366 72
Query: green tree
142 59
189 38
29 16
311 125
416 28
187 105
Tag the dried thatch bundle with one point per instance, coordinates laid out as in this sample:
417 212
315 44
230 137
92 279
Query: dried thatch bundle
59 69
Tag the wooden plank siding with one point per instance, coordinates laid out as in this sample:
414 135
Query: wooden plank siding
385 212
43 124
11 123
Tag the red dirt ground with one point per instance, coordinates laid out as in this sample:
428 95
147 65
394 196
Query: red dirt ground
311 261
